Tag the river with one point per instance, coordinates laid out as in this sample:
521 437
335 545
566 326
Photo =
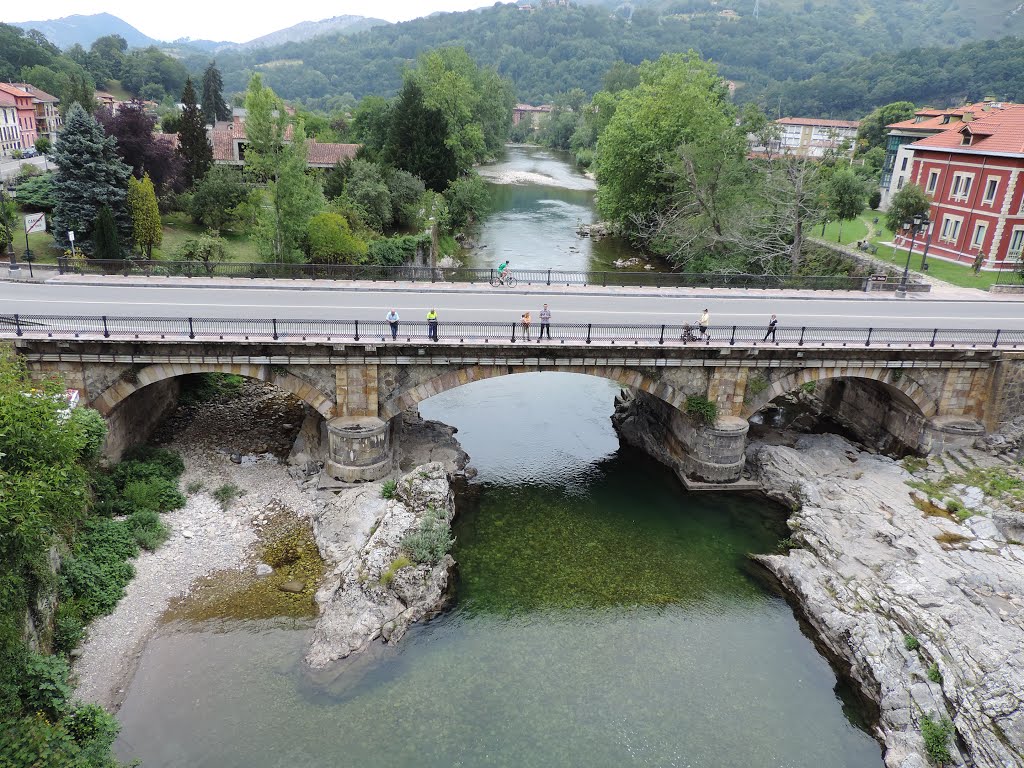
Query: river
604 617
538 198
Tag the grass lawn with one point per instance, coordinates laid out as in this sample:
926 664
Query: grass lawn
178 227
853 230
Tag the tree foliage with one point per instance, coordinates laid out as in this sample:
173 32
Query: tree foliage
215 199
89 176
847 196
144 150
146 226
213 105
907 203
329 240
417 139
873 132
193 143
106 243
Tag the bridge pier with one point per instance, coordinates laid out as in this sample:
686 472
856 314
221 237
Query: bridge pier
715 453
360 448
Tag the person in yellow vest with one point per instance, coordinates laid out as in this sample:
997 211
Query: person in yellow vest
432 324
526 325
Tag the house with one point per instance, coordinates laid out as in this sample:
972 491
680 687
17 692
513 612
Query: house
972 173
10 134
528 111
925 122
104 99
811 137
26 114
229 140
48 119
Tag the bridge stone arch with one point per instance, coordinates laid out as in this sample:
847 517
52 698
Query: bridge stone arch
892 378
421 388
108 400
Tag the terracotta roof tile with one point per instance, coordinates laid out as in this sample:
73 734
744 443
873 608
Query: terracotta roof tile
37 93
934 117
330 154
999 132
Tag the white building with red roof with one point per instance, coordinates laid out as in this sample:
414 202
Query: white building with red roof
972 173
26 113
809 137
48 119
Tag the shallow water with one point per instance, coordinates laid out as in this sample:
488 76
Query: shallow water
604 618
538 199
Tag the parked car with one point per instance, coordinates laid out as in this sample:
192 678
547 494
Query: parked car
30 152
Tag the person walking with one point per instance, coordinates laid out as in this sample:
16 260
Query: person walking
432 325
705 321
392 318
526 325
771 329
545 322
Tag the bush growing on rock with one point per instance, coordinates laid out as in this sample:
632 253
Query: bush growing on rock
157 494
936 734
430 542
147 530
226 494
911 643
389 489
934 674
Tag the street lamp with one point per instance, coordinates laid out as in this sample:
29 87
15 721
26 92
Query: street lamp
927 243
913 227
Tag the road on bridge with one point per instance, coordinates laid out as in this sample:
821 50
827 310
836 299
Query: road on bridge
487 304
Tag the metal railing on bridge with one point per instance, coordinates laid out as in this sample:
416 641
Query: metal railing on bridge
411 274
179 329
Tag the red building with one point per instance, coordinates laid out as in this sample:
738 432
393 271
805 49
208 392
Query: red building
26 108
972 173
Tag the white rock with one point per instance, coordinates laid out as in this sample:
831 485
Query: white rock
187 534
262 569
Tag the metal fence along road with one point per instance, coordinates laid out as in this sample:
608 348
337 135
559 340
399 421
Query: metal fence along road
575 334
253 270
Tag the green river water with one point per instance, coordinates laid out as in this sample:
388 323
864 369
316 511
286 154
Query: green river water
604 618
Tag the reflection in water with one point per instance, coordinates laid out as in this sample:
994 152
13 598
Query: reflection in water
604 618
538 198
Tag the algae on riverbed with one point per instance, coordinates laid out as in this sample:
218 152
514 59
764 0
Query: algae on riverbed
286 544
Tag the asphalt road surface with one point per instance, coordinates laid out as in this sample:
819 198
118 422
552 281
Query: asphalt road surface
487 304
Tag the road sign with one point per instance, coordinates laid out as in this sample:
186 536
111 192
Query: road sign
35 222
879 278
71 235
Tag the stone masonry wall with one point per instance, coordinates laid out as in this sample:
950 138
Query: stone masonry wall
133 421
1006 397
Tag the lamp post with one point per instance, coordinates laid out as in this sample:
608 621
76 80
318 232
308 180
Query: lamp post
913 227
927 242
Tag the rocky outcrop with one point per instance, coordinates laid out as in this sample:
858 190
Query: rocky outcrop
376 592
875 575
1008 441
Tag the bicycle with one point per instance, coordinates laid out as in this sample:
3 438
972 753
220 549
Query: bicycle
507 280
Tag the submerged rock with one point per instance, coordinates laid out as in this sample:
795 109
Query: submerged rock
378 591
874 574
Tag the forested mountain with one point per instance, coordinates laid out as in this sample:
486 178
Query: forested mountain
556 47
84 29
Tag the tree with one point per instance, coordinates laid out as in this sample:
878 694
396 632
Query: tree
873 131
208 249
140 147
146 226
907 203
846 197
406 195
37 192
214 107
681 101
193 143
43 145
416 140
106 244
8 217
466 200
329 240
371 126
366 188
89 176
295 197
216 197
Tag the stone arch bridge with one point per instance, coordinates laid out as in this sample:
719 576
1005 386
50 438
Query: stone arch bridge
921 399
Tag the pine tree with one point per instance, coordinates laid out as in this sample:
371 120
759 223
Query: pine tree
146 226
193 144
89 176
417 140
105 241
214 108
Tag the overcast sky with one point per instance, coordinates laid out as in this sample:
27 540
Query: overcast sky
237 22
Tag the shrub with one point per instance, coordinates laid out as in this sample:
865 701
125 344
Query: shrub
936 734
68 627
389 489
430 542
194 487
395 251
170 461
702 409
91 430
156 494
933 673
911 643
226 494
875 199
92 727
329 240
44 684
147 530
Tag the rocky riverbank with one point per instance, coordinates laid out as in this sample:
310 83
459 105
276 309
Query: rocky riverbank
242 440
919 593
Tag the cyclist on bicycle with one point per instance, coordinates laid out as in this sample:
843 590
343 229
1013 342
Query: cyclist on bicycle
501 270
